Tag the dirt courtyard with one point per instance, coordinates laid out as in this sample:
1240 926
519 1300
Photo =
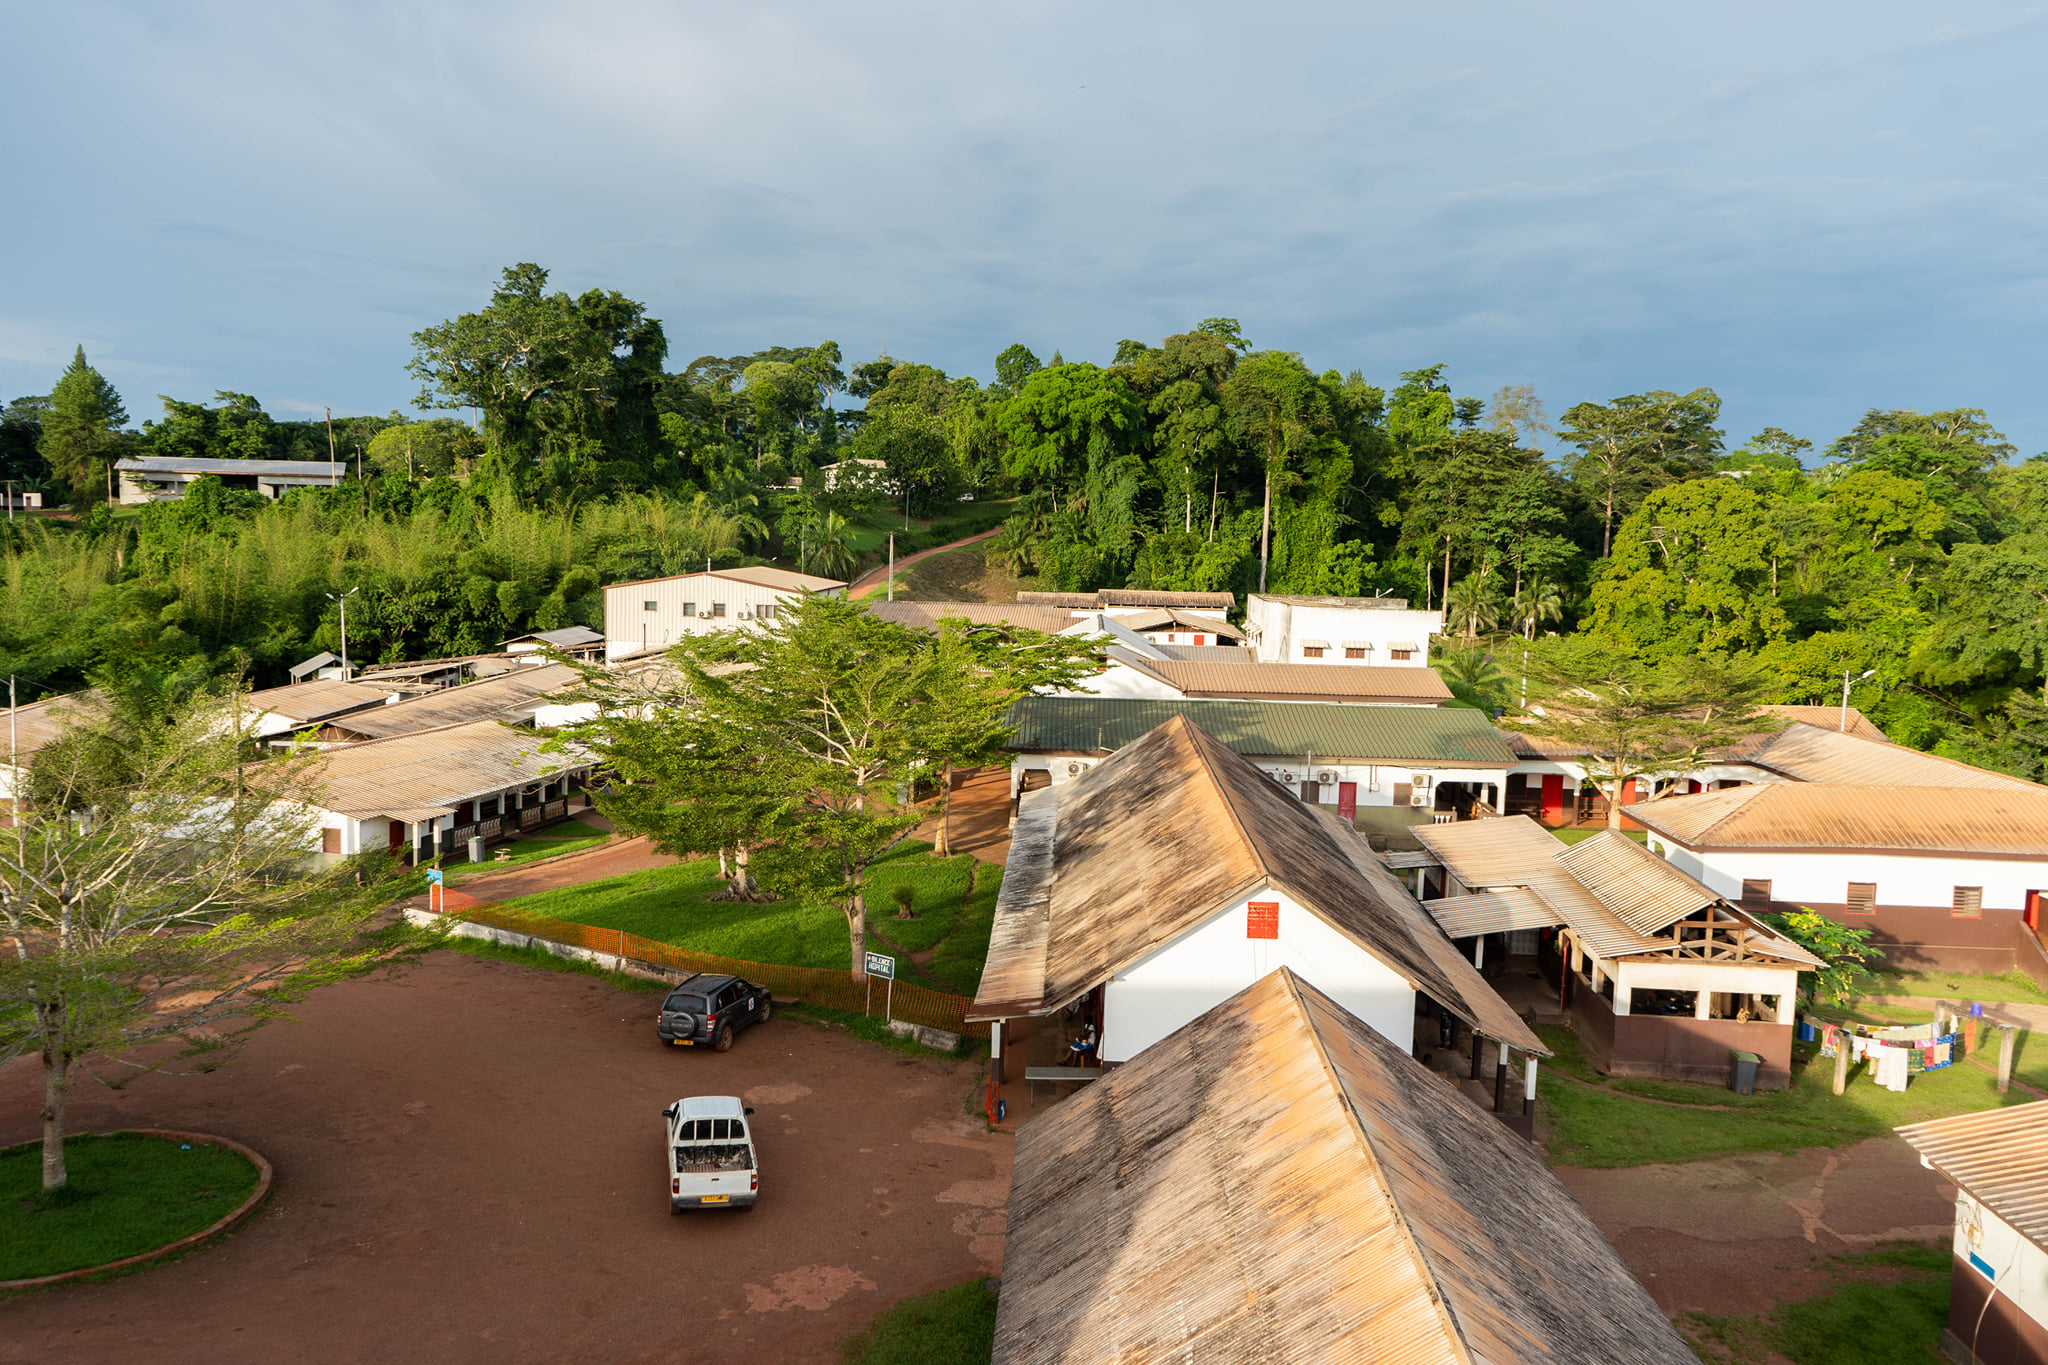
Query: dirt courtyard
469 1168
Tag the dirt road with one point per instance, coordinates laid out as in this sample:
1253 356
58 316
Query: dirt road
874 580
470 1169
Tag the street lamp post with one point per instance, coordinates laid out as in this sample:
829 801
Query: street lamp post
343 599
1845 694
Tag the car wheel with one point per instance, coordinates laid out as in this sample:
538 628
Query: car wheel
767 1008
723 1042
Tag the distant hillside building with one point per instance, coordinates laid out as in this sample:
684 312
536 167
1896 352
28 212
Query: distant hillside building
161 478
1379 631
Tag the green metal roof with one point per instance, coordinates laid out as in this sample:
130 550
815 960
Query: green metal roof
1450 736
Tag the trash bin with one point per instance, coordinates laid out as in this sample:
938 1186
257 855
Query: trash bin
1742 1072
476 849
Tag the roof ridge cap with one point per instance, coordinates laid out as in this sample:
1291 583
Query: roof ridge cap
1454 1331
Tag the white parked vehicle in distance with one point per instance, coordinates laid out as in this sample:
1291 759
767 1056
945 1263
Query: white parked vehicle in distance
711 1161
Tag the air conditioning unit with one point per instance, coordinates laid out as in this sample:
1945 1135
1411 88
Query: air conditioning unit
1076 768
1418 798
1327 777
746 616
1285 779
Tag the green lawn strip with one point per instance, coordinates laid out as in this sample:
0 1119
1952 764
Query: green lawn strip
960 958
127 1194
523 850
2015 987
955 1326
1573 836
1608 1123
1866 1322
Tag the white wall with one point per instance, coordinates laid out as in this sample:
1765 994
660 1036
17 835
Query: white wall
2020 1267
1277 629
1825 877
1375 780
1209 964
629 627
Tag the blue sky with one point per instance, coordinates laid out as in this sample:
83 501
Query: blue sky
1813 209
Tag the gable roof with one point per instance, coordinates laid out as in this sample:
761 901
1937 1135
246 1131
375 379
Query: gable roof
760 575
1999 1157
508 696
324 470
1276 1182
1216 678
2001 822
1806 753
926 615
36 724
419 776
567 637
1426 735
315 701
1830 718
313 665
1161 837
1165 618
1130 597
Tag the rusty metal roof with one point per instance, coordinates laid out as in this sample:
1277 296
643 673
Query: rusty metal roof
509 696
1830 718
1353 682
1128 597
1168 619
760 575
1424 736
1806 753
926 615
415 776
1644 891
314 701
1276 1183
1500 911
2011 822
1168 833
1999 1157
34 725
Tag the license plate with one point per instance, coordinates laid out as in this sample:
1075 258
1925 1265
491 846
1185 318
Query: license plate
715 1199
680 1042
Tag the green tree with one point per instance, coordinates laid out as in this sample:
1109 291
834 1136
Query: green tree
1842 948
1638 443
21 432
1634 719
81 432
1280 411
153 893
1475 677
1228 332
1182 383
1015 365
423 450
1690 572
1052 421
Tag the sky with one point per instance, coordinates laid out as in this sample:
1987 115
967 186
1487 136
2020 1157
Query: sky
1813 209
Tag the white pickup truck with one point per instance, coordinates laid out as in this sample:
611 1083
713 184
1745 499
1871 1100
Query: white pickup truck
711 1160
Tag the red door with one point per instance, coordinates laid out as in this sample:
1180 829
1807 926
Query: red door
1553 798
1347 800
2033 911
397 833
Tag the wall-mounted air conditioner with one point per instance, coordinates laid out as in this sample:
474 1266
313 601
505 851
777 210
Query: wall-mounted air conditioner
1327 777
746 616
1418 798
1285 779
1076 768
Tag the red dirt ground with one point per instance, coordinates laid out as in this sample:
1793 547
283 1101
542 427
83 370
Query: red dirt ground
470 1169
875 579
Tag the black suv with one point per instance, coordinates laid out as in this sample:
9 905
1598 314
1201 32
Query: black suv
707 1010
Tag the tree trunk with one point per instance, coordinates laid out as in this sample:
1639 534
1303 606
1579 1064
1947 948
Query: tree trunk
56 1081
1265 523
1215 478
857 932
1614 804
943 848
724 872
743 873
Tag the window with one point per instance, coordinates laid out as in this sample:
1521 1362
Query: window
1862 898
1400 656
718 608
689 608
1311 652
1353 652
1756 894
655 606
765 612
330 841
1969 903
1262 919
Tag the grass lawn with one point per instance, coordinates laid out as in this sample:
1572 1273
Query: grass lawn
1890 1312
1608 1123
127 1194
673 905
1573 836
572 837
955 1326
2016 987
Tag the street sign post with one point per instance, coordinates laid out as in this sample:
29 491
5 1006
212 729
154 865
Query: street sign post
884 966
437 890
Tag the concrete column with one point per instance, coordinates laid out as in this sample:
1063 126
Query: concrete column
1702 1004
1479 952
1500 1081
1528 1082
1842 1064
2007 1035
1788 1005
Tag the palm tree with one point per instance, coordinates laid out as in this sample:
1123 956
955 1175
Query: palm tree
734 496
828 546
1474 676
1538 603
1472 606
1013 547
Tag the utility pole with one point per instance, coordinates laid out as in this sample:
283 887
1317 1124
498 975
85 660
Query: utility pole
13 763
10 500
343 599
892 566
1845 695
331 471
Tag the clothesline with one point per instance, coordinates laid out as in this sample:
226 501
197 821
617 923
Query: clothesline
1894 1057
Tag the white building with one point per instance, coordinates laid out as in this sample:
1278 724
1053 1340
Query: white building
160 478
1339 630
1135 602
1175 874
1947 878
1998 1288
655 613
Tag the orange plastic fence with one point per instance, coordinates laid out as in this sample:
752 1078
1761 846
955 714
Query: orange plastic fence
837 990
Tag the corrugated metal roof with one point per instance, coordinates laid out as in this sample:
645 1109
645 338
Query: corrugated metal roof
508 696
36 724
1275 1182
171 464
1800 815
1999 1156
1353 603
568 637
1807 754
1424 735
1164 619
1506 851
430 773
1642 889
1492 912
926 615
1165 834
311 701
1830 718
1203 654
1129 597
761 575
